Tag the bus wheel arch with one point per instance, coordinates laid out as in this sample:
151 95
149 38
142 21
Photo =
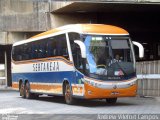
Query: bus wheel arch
26 82
21 88
28 94
67 92
20 82
64 86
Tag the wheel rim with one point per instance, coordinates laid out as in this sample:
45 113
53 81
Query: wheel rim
27 90
68 93
22 89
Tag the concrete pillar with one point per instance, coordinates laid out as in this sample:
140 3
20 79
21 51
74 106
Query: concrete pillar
3 37
5 55
8 65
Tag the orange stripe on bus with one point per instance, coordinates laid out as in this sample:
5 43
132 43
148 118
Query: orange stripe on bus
86 28
52 88
15 85
46 33
46 87
102 29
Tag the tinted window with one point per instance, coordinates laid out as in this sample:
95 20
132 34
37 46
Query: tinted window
39 49
16 53
73 36
75 50
49 47
57 46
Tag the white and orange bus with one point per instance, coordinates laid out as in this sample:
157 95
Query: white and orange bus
90 61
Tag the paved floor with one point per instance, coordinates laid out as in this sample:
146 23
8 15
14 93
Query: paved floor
12 103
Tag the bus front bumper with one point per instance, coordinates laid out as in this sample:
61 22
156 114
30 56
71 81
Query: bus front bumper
92 92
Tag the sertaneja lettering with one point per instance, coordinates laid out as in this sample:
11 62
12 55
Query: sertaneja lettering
44 67
53 66
50 67
34 67
47 66
41 67
57 67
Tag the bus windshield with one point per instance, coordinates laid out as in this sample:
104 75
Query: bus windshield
110 57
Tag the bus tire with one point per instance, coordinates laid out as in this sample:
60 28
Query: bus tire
28 94
68 95
21 90
111 100
35 96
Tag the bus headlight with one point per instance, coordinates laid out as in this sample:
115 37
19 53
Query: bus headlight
132 83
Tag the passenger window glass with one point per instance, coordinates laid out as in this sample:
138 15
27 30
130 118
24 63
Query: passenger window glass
57 46
49 47
17 53
75 50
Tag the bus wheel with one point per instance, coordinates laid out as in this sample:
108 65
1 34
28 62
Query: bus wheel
36 96
111 100
28 94
68 95
21 90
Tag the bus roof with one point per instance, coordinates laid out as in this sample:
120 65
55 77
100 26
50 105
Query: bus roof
87 28
79 28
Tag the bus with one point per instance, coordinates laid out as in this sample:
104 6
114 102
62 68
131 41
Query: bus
85 61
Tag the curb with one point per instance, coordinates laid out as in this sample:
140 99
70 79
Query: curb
5 88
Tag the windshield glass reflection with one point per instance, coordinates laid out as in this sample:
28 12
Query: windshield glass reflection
108 57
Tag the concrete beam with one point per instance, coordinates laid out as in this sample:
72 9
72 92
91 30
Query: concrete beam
24 22
10 38
18 15
106 6
9 7
58 4
58 20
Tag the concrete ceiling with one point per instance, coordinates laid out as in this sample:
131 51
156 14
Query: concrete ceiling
85 7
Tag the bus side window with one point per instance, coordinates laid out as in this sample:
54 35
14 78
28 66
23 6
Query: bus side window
34 50
19 53
42 49
64 50
30 50
51 47
15 53
39 51
75 50
77 57
25 54
45 51
61 46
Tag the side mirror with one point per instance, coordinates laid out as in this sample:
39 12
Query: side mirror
82 47
141 49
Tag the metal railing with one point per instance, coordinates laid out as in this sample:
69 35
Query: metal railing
2 75
148 74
